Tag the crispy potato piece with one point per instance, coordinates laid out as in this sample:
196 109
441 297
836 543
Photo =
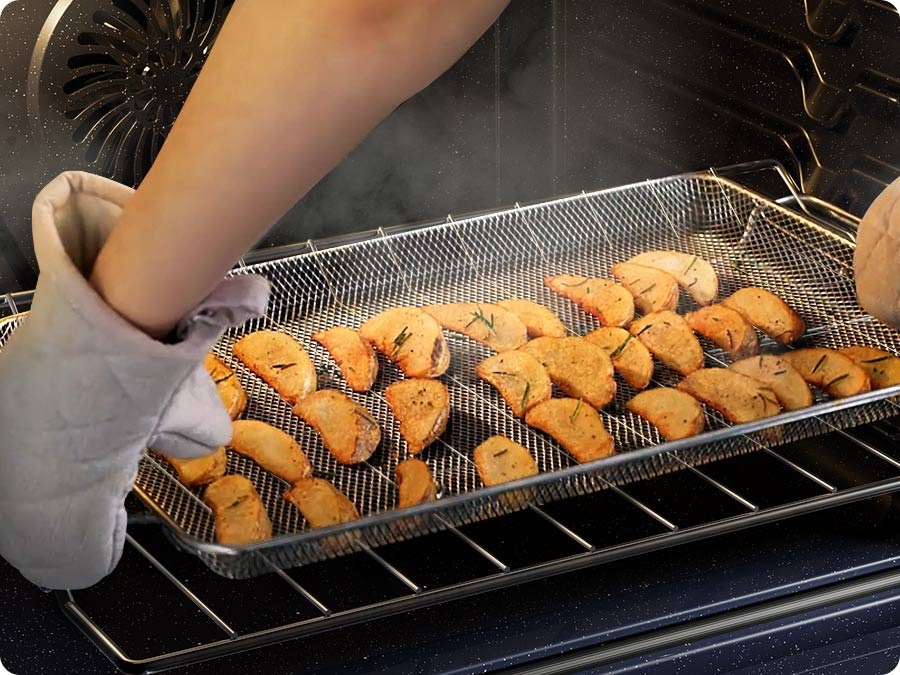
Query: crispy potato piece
422 406
500 460
520 378
411 338
321 503
883 368
605 299
575 425
738 397
726 328
832 371
538 319
200 470
415 482
693 273
653 289
271 448
348 430
353 355
581 369
489 324
629 357
280 361
789 386
675 413
238 510
670 339
765 310
230 390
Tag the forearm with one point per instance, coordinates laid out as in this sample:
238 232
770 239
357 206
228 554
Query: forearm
288 90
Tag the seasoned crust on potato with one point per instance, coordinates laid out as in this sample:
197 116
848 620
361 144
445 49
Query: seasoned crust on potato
500 460
692 272
669 339
581 369
653 289
271 448
765 310
538 320
629 356
738 397
790 388
520 378
675 413
239 513
489 324
411 338
321 503
415 483
575 425
422 407
883 368
830 370
727 328
280 361
605 299
200 470
348 430
353 355
229 387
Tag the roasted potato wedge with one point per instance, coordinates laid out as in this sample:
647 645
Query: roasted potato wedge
280 361
422 406
411 338
200 470
605 299
353 355
489 324
239 513
675 413
726 328
321 503
500 460
520 378
415 482
669 339
581 369
832 371
883 368
230 390
538 320
765 310
629 356
348 430
271 448
790 388
575 425
693 273
653 289
738 397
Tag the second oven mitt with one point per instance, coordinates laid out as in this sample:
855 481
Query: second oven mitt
876 261
83 393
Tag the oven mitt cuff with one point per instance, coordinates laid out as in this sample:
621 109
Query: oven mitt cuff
83 393
876 261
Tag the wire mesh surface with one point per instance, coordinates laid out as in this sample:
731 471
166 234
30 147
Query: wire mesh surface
748 240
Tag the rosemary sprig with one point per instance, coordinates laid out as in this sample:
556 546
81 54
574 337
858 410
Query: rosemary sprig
399 341
820 362
836 380
525 395
478 315
618 350
575 412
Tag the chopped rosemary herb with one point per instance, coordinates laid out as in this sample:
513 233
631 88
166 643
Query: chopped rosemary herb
693 262
223 379
836 380
502 452
820 362
399 341
879 359
580 283
577 410
525 395
715 318
478 315
779 372
647 327
692 283
766 399
366 418
618 350
283 366
503 372
648 289
330 475
730 338
760 361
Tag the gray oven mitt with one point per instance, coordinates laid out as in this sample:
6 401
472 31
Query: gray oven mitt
83 393
877 258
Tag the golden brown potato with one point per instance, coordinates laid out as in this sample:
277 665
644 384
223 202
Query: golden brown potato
280 361
230 390
353 355
832 371
789 386
238 511
581 369
500 460
200 470
491 325
415 482
575 425
348 430
670 339
321 503
520 378
675 413
411 338
738 397
271 448
629 356
422 406
765 310
605 299
726 328
538 319
883 368
653 289
693 273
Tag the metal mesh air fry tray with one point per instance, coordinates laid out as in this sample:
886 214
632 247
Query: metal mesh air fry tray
749 240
